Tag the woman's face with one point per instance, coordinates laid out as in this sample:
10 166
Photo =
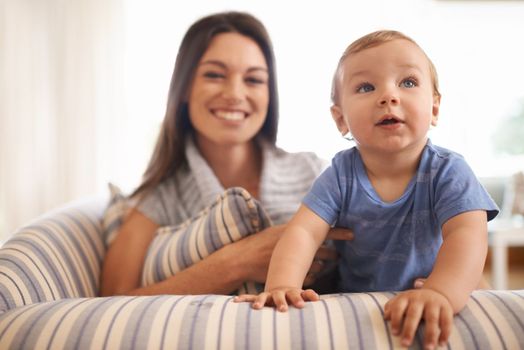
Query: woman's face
229 96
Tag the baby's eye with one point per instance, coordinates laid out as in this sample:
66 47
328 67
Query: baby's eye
409 83
214 75
366 87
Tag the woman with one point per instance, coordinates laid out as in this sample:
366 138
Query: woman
219 131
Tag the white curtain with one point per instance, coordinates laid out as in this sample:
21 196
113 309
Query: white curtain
61 83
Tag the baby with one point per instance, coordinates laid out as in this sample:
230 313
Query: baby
416 209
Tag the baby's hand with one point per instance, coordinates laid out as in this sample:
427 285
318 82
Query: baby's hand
279 298
406 310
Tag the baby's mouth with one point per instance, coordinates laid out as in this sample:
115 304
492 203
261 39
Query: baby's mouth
389 121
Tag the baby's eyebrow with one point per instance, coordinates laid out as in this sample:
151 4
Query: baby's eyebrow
411 66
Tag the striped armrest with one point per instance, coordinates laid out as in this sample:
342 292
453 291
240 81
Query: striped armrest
57 256
491 320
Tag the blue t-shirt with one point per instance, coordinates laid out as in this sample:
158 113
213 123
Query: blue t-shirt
394 242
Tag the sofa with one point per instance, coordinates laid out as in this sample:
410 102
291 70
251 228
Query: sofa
49 286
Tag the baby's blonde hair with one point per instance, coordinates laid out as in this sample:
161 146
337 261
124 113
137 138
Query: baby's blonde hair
371 40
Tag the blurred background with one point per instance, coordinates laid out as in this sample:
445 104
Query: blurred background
83 84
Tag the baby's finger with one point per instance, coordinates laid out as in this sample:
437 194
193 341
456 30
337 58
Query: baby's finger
279 299
396 308
338 233
446 325
419 283
432 327
310 295
326 253
316 267
261 300
295 298
244 297
411 322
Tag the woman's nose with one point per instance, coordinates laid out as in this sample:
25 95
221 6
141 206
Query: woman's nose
233 90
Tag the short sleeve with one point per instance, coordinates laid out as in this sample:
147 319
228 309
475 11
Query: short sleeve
325 196
457 190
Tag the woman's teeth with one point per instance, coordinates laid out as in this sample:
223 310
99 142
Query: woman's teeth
230 115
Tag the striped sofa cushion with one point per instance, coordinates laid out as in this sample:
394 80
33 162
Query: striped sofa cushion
57 256
234 215
491 320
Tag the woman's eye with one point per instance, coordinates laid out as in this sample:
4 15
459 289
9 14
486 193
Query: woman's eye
255 81
213 75
366 87
409 83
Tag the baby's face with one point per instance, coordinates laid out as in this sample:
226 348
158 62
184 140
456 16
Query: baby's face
386 97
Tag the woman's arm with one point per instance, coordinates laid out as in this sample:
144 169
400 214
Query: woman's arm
221 272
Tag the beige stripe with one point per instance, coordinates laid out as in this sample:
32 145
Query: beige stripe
192 231
230 219
48 248
380 331
62 334
266 328
228 332
74 258
509 295
200 238
170 258
338 324
489 331
321 325
222 233
11 286
119 326
26 314
104 323
35 275
500 320
175 322
455 339
58 310
213 322
160 321
96 238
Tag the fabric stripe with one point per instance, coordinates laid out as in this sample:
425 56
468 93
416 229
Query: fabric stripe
338 322
168 304
496 337
11 322
380 326
65 324
173 337
215 322
227 332
56 256
355 325
178 247
501 319
468 336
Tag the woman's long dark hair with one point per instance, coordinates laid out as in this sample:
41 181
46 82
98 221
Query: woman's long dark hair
169 152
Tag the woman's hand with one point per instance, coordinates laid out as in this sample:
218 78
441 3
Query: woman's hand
256 251
326 255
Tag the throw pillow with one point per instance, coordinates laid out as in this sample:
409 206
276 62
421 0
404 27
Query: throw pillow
233 216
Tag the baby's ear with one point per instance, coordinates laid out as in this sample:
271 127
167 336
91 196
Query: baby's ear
338 117
435 110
